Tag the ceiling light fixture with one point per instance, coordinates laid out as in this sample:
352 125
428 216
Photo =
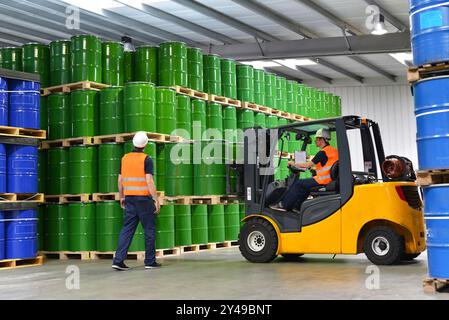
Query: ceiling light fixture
379 27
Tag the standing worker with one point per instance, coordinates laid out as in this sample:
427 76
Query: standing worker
138 197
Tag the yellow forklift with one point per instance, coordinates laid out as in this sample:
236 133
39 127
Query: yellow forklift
377 211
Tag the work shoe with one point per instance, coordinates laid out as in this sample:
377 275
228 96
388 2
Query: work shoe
155 265
120 266
278 207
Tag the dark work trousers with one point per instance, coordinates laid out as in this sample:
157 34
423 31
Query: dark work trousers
138 208
298 193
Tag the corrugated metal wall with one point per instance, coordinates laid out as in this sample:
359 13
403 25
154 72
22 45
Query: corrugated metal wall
392 107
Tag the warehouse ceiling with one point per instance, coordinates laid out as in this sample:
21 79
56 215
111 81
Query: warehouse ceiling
326 41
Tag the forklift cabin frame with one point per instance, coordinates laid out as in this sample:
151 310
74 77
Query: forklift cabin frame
322 207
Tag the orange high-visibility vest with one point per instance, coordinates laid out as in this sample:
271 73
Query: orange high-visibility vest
134 181
323 173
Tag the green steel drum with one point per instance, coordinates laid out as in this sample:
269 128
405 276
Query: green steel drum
328 105
42 168
245 119
172 67
59 116
301 100
245 83
195 69
230 123
139 107
128 66
44 114
272 121
281 94
320 109
270 90
165 110
36 59
183 225
283 122
56 229
216 223
292 96
11 58
184 117
165 228
214 118
86 58
232 221
109 221
198 118
111 111
81 231
209 168
338 108
212 74
313 103
84 112
138 241
83 171
58 171
60 62
145 64
109 162
160 165
178 169
199 224
229 78
242 214
113 63
260 120
259 87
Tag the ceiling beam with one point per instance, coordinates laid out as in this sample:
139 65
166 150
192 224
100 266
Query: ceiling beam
331 17
23 22
332 66
24 31
371 66
282 74
5 35
333 46
160 14
200 8
389 17
314 74
7 43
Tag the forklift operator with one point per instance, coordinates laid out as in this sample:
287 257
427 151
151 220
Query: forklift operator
323 160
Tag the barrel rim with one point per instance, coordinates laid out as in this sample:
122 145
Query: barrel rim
212 55
11 47
115 143
112 87
147 46
84 89
140 82
172 42
165 88
60 41
433 78
35 43
84 35
59 93
112 42
245 65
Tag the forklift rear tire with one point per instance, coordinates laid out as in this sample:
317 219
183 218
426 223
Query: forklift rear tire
291 256
258 241
383 246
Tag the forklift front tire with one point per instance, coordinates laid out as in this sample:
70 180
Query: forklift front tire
383 246
258 241
291 256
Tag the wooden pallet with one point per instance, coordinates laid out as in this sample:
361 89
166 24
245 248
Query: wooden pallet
192 200
297 117
99 197
415 74
69 87
190 92
97 255
124 137
256 107
221 245
430 177
66 143
22 132
21 263
67 198
225 101
160 253
432 285
22 197
66 255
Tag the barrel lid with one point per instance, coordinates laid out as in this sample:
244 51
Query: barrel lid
60 41
212 55
112 87
227 59
139 82
11 47
172 42
194 48
35 43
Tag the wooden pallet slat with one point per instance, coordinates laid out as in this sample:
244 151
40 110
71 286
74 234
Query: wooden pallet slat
99 197
98 255
66 143
430 177
66 255
66 198
168 252
415 74
21 263
22 197
69 87
225 101
190 92
433 285
22 132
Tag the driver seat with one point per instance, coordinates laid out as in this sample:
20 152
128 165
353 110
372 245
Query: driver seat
331 188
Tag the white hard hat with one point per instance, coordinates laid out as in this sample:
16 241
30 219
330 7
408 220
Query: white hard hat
323 133
140 139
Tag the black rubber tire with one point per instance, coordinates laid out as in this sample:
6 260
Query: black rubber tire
291 256
396 243
268 253
409 256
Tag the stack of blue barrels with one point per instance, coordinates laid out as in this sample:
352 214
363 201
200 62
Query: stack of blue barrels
19 107
430 43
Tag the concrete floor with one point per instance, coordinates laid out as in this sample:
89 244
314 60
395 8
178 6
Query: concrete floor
220 274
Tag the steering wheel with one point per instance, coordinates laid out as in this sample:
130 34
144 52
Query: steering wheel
295 169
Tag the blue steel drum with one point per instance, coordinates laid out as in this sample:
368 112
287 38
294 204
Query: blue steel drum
2 236
2 168
432 119
430 31
3 102
22 169
436 215
24 104
21 234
